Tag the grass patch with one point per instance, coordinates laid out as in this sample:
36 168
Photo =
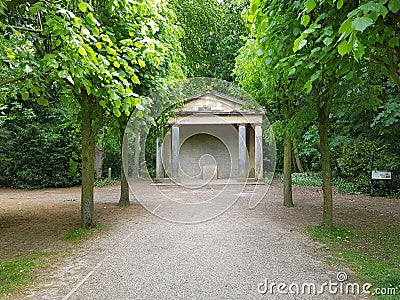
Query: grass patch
16 274
78 233
373 254
104 182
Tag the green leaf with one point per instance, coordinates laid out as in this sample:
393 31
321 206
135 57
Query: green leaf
82 51
64 99
63 74
359 51
350 75
394 6
361 23
260 52
82 6
343 47
141 63
346 27
305 19
116 64
116 112
139 114
316 75
339 4
27 69
299 42
91 19
88 89
43 101
394 42
25 95
310 5
308 86
327 41
69 78
135 79
95 31
302 43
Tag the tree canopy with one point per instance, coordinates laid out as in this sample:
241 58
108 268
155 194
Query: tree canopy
91 53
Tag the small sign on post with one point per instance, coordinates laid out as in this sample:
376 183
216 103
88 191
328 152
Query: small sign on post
109 175
381 176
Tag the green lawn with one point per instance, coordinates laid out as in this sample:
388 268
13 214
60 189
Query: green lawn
373 254
16 274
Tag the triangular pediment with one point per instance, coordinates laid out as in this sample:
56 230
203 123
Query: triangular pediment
211 101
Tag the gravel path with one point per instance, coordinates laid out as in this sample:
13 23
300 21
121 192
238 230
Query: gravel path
228 257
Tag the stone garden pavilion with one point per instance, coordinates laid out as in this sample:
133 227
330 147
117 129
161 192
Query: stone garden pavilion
212 137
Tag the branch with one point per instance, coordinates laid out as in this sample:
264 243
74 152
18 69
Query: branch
11 4
377 59
392 66
24 28
21 78
12 80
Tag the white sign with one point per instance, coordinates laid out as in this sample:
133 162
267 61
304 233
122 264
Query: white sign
381 175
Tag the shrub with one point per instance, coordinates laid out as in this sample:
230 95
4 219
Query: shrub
37 146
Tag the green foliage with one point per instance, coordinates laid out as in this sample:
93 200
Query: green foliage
388 117
368 29
151 150
308 149
78 233
307 179
373 253
212 35
324 235
99 48
15 274
38 144
104 54
104 182
353 186
357 157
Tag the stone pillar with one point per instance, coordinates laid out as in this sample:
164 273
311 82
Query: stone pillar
159 159
174 150
242 152
258 152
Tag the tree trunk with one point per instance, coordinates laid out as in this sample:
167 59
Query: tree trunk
136 163
98 161
287 172
294 165
124 197
88 146
298 161
323 120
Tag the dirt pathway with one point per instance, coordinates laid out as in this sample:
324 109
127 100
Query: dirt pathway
145 257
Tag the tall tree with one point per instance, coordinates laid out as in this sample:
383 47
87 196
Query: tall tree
93 53
261 69
320 74
371 30
212 35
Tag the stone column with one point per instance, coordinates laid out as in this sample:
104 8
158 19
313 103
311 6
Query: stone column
174 150
159 159
242 152
258 152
